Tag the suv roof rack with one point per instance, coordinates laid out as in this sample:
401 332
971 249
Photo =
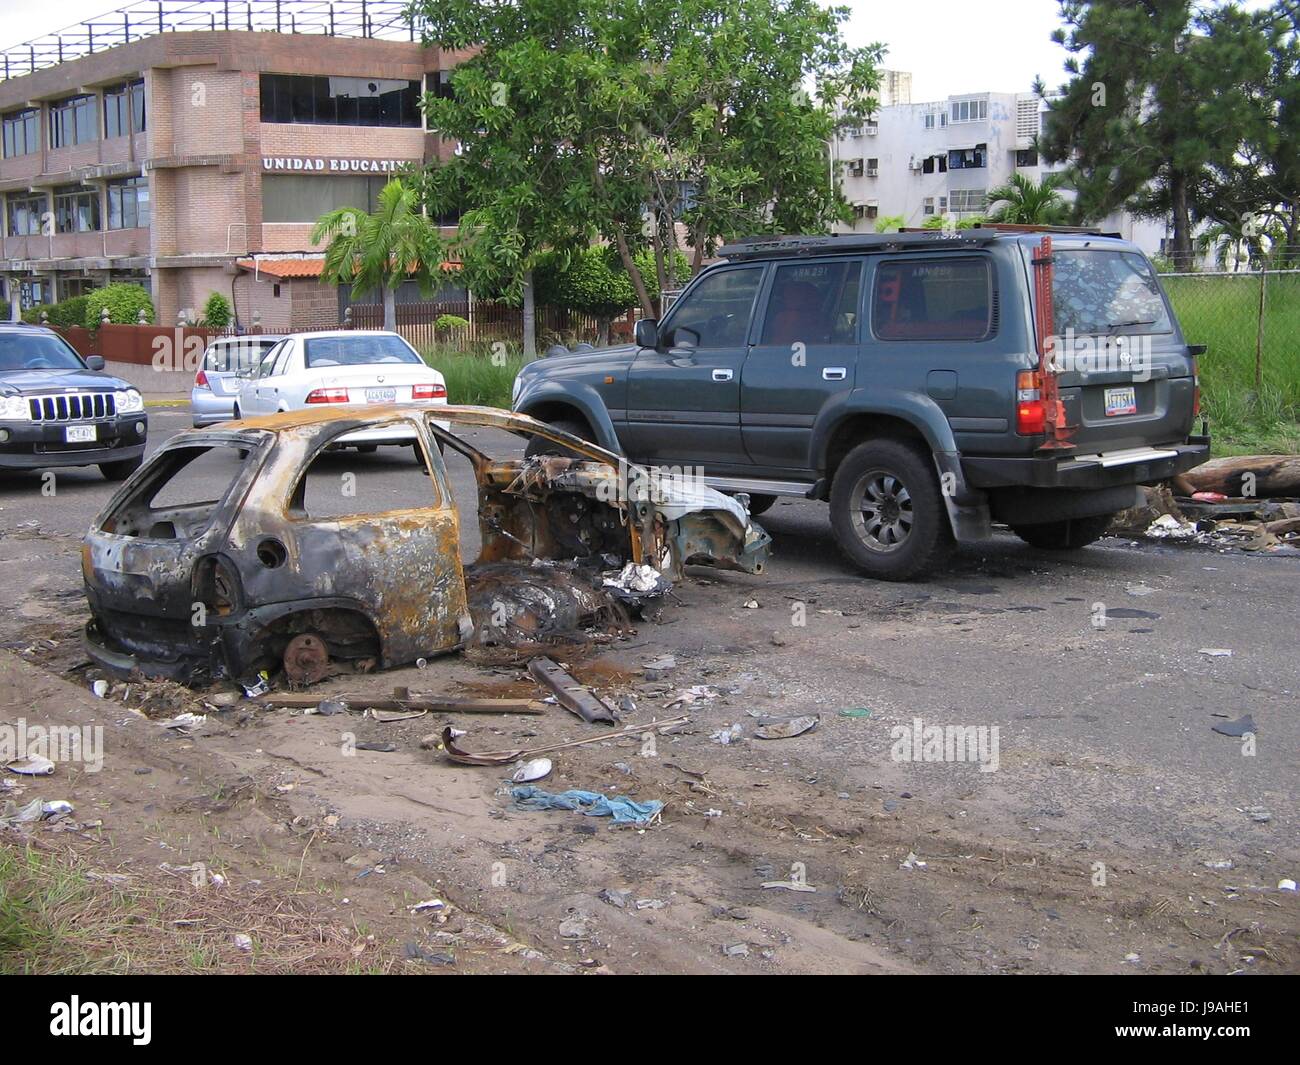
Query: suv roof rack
1018 227
766 247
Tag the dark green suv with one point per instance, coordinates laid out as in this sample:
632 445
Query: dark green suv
897 376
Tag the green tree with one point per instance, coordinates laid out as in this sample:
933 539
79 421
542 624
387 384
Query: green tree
124 303
1030 203
620 119
383 249
890 223
1157 95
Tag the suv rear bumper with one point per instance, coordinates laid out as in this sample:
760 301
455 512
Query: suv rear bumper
1088 471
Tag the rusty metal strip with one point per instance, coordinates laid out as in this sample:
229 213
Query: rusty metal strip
458 754
574 697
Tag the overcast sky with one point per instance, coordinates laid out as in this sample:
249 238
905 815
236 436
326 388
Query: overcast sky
949 46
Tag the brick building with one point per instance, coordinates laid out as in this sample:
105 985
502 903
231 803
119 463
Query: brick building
189 145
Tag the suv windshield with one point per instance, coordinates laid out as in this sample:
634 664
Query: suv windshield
359 350
1098 291
37 351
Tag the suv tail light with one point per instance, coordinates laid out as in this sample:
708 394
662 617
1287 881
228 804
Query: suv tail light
201 380
1031 411
429 392
328 395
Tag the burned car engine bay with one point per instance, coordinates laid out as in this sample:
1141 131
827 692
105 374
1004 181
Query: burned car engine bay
266 577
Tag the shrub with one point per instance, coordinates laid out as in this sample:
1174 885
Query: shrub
216 312
71 311
124 303
450 321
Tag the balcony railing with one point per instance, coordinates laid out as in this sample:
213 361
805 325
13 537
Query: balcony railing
379 19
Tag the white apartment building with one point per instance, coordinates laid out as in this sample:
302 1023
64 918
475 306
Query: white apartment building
921 160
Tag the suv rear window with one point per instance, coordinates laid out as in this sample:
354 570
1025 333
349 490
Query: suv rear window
1099 291
234 355
932 299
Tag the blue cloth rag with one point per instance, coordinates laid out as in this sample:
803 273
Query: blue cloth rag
591 803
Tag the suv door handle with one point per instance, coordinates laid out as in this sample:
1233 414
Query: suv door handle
834 373
722 375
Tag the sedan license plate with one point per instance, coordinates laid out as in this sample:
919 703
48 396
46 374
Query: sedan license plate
79 434
1120 401
381 395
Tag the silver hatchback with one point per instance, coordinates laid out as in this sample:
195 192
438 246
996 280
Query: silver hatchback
212 399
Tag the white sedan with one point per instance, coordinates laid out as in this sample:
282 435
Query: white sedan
345 366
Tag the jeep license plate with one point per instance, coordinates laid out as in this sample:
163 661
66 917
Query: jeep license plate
1121 401
381 395
79 434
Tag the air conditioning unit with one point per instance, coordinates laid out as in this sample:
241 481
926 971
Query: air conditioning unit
856 167
915 164
871 129
873 171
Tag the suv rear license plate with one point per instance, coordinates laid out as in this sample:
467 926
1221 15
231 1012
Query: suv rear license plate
79 434
381 395
1120 401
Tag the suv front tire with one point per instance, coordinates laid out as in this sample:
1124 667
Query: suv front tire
886 511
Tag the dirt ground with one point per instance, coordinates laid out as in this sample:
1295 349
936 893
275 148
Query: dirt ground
1084 852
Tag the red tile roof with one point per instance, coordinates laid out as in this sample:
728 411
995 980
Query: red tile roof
294 268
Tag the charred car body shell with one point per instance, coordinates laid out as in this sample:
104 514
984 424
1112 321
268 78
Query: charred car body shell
221 587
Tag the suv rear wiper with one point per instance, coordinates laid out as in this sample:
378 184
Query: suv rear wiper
1124 325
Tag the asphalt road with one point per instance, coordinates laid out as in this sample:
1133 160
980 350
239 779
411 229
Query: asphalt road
1105 728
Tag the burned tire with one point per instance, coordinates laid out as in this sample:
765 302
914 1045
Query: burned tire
120 471
886 511
539 446
1068 535
760 504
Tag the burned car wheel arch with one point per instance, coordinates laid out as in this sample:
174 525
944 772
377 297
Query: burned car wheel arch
221 586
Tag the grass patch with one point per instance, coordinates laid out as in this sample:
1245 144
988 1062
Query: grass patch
57 916
477 377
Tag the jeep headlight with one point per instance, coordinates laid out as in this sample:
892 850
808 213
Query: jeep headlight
129 401
15 408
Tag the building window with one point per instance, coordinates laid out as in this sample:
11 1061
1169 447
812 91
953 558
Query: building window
293 98
965 201
300 198
70 287
22 132
124 109
74 121
33 291
932 162
1026 157
927 205
76 209
128 203
25 215
969 110
969 158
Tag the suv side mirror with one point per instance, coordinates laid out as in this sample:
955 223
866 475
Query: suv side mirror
94 362
646 332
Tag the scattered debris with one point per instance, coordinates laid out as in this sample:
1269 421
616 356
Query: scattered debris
243 942
461 756
591 803
36 810
32 766
534 769
784 728
789 885
100 688
1240 727
427 904
736 950
1286 885
1259 814
381 748
615 897
911 862
695 694
1215 652
385 717
726 736
856 712
574 697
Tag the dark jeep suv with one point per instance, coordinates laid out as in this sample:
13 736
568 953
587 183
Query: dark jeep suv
897 376
57 409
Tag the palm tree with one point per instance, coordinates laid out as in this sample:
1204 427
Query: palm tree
381 250
890 223
1029 203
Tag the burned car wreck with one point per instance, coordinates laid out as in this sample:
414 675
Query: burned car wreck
256 577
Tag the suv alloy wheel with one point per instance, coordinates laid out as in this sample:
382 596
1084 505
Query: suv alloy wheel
887 513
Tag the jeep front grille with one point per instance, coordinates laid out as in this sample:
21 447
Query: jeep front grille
72 407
